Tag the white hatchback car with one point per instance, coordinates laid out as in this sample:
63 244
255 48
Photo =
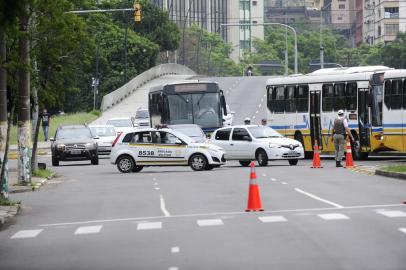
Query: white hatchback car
163 147
251 142
121 124
106 134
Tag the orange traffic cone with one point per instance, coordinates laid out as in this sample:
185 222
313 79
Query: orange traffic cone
316 156
349 162
254 200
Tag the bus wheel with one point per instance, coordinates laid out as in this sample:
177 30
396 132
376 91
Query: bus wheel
262 158
356 151
198 162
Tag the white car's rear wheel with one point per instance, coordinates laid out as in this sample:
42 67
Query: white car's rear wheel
125 164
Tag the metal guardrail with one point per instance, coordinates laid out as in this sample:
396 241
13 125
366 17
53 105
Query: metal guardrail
124 91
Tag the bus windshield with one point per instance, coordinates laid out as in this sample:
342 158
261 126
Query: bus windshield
200 108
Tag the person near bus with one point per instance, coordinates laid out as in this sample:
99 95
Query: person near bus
247 121
340 129
264 122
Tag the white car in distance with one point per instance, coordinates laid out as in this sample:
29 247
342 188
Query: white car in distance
106 135
253 142
121 124
163 147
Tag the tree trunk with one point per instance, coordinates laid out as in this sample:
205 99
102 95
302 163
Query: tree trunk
35 128
3 116
24 126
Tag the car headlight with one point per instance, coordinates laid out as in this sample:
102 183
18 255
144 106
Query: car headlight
274 145
90 145
60 147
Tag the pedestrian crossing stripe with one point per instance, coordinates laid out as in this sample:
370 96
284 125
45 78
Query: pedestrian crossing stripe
26 234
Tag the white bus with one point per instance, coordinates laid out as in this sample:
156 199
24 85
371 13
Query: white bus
374 100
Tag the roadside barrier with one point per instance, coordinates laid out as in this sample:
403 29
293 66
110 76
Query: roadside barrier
254 199
349 161
316 156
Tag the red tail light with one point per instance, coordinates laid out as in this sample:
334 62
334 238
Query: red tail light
118 136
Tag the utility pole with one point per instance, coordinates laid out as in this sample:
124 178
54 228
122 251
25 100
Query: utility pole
24 126
3 116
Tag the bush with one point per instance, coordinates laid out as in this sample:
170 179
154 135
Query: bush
96 113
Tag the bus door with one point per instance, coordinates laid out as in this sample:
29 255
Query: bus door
315 117
364 124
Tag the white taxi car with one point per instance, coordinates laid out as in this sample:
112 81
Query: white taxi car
163 147
251 142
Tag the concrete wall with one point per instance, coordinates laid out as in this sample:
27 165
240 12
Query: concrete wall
121 93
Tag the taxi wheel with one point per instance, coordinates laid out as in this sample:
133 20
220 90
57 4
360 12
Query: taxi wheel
55 161
293 161
262 158
198 162
245 163
137 168
125 164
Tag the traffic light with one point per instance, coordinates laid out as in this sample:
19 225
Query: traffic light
137 12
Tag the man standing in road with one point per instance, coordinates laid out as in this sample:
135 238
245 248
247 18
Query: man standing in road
340 128
263 122
45 117
247 121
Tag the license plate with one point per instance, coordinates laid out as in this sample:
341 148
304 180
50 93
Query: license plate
75 152
293 153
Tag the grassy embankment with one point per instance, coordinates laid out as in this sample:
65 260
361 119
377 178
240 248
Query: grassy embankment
395 168
56 121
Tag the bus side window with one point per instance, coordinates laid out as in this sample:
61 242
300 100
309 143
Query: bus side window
279 101
290 103
302 98
404 93
328 98
339 94
351 96
388 91
270 99
396 95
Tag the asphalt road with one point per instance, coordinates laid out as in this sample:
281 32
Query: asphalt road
93 217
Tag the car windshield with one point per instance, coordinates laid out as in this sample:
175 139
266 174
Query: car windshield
103 131
142 114
120 122
73 133
264 132
191 131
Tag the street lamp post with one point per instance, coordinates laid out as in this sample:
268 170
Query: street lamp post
321 35
281 24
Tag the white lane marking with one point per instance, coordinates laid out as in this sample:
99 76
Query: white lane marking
26 234
333 216
318 198
149 226
175 250
257 112
155 184
88 229
154 179
403 230
253 117
157 188
220 214
392 214
260 105
264 174
173 268
209 222
262 100
163 206
267 219
284 183
273 180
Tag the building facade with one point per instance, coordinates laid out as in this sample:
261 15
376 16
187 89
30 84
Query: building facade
383 19
211 15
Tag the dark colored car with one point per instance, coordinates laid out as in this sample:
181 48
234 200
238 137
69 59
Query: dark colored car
73 143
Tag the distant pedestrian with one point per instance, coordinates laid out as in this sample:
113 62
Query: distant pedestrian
340 129
264 122
45 118
247 121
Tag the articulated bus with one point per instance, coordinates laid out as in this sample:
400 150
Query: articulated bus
188 102
374 100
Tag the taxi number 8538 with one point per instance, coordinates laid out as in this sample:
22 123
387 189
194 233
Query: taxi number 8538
145 153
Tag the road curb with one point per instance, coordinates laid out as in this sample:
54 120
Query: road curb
32 187
397 175
7 213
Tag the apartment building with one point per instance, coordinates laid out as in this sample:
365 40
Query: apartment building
213 14
383 19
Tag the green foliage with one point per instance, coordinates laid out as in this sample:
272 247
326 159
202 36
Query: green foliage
7 202
43 173
395 168
96 113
